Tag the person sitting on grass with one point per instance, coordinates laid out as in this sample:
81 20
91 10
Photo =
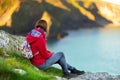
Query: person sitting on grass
37 40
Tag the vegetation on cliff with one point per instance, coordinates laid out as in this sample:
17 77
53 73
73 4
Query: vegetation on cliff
16 67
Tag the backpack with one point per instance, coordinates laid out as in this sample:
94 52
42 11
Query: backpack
26 51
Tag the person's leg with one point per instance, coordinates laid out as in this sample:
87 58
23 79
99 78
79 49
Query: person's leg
69 67
54 59
60 59
63 63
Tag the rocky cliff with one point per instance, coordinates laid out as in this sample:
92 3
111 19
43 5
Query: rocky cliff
10 42
20 16
109 11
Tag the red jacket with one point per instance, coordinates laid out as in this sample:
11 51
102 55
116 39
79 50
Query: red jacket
37 41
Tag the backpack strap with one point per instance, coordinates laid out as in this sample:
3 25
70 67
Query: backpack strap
36 53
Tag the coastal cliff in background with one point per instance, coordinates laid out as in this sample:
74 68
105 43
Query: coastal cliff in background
19 16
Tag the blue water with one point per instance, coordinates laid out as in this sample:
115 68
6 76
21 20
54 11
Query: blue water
92 50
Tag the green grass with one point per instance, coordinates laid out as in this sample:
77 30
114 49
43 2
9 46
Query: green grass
15 61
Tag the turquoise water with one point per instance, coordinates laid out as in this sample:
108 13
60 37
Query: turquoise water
92 50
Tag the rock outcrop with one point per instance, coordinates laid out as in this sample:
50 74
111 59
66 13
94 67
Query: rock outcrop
97 76
10 42
93 76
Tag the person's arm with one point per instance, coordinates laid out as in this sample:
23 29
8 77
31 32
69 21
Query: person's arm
49 51
42 48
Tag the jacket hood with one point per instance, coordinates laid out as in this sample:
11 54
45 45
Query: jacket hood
33 35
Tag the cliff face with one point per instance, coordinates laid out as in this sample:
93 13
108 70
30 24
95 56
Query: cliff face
7 8
61 15
109 11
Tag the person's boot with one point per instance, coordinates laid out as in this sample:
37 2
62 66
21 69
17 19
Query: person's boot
78 72
69 75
